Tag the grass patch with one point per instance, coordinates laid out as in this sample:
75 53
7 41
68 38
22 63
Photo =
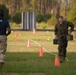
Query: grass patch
21 60
31 63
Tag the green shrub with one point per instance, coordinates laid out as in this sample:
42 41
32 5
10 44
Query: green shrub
46 17
39 17
6 11
72 17
42 25
15 25
52 21
42 17
17 18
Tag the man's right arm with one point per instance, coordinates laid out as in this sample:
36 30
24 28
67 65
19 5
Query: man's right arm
56 32
71 25
8 31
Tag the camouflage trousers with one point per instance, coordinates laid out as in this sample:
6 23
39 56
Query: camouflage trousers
62 46
3 46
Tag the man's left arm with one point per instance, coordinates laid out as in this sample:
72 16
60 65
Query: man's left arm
8 29
71 25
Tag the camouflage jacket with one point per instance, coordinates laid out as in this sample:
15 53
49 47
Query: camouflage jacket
62 29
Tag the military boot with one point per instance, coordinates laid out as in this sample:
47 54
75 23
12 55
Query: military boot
1 65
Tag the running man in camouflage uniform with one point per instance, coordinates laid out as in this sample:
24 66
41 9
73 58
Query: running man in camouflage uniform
4 32
61 31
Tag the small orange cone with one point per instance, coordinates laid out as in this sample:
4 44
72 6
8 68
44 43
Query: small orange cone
17 40
16 34
28 44
57 62
34 31
41 52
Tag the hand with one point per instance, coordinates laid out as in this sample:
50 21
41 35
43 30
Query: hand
69 33
56 37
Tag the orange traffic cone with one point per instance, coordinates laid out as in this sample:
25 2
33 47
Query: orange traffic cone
41 52
57 62
34 31
17 40
16 34
28 44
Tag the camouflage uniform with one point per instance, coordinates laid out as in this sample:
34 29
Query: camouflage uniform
3 45
61 30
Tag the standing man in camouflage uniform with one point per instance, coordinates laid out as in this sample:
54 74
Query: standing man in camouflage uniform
5 30
61 31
